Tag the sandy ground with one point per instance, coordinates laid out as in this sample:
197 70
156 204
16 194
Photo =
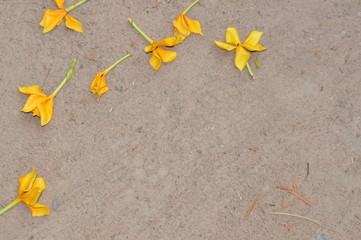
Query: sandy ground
183 152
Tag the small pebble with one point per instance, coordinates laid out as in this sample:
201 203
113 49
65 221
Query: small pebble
359 14
31 237
55 205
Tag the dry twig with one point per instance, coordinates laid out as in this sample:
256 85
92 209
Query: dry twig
250 208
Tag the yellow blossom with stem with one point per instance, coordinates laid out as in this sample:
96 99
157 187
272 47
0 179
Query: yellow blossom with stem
184 26
242 56
99 86
29 192
39 103
159 55
52 18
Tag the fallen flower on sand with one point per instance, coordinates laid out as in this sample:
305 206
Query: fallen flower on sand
52 18
99 86
159 55
184 26
242 56
39 103
29 192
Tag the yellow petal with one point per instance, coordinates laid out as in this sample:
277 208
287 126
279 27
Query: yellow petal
180 24
224 46
251 43
193 25
26 182
241 58
32 196
72 23
32 90
179 37
155 61
60 3
39 210
46 111
51 19
32 102
99 85
167 42
166 55
151 47
36 112
232 36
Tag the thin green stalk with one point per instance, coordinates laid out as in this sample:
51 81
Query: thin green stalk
140 31
75 5
250 71
116 63
12 204
190 6
68 76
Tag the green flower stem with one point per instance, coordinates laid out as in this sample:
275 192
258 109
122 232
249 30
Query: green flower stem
250 71
75 5
12 204
140 31
190 6
116 63
68 76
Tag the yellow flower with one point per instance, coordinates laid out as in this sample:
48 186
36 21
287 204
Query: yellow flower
184 26
29 192
52 18
39 103
159 55
99 86
234 42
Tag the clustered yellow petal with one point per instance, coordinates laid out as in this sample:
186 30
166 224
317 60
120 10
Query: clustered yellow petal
29 192
233 42
39 103
184 26
52 18
99 86
160 55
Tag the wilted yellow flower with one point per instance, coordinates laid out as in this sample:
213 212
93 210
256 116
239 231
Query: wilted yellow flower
183 26
29 192
99 86
52 18
39 103
234 42
159 55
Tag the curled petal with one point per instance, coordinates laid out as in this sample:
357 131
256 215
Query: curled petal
72 23
180 24
224 46
251 43
193 25
166 55
179 37
150 48
155 60
60 3
31 197
39 210
167 42
241 58
232 36
32 90
26 182
46 111
32 102
51 19
99 85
